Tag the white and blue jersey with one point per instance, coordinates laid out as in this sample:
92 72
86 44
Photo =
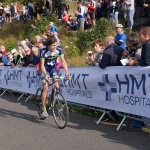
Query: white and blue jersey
50 58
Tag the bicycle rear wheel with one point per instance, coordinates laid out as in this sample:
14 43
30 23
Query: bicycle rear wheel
38 103
60 110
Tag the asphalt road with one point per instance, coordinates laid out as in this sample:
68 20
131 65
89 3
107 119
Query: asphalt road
21 129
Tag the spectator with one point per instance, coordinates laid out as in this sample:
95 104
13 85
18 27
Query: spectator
92 10
115 10
88 23
7 12
133 47
99 9
130 12
94 59
3 49
52 27
112 53
36 57
2 19
120 37
65 18
10 59
80 16
12 10
134 50
34 7
44 12
30 9
144 35
16 58
146 6
3 59
28 59
28 43
73 25
139 9
104 6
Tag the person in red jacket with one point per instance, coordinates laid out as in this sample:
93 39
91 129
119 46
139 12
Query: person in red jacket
65 18
92 10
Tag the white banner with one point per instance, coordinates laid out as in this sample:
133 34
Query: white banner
123 89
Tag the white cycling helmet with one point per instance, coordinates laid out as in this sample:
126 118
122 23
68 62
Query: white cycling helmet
119 26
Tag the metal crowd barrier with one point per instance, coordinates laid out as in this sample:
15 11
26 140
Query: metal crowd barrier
25 96
131 116
104 111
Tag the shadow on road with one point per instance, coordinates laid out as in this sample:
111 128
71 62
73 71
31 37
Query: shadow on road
136 140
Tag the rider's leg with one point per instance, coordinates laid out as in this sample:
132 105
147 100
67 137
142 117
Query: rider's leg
57 85
44 95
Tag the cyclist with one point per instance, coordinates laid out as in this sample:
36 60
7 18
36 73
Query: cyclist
48 57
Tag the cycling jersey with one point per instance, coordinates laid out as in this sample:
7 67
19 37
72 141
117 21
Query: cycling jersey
50 57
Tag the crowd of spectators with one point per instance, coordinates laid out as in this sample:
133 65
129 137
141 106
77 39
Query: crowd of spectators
23 13
121 51
88 12
27 52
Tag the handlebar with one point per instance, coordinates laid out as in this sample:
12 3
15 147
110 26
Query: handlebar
57 79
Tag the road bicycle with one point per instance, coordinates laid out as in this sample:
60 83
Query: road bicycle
56 102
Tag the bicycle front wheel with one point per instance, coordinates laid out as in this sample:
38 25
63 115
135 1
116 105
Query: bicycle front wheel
60 110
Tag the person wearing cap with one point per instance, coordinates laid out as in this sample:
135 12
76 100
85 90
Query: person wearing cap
52 27
16 58
23 44
3 59
120 38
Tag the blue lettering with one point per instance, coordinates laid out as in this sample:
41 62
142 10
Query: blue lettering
136 100
125 99
148 102
75 81
143 79
84 75
131 100
123 82
121 98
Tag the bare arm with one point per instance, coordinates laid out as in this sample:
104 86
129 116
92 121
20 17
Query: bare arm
42 61
65 65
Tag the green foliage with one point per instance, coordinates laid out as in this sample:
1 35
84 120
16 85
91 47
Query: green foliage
100 31
74 51
27 31
10 44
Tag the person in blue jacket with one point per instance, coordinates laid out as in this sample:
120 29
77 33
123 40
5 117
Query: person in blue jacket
120 38
52 27
3 59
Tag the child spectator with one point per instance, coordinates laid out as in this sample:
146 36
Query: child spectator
94 58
